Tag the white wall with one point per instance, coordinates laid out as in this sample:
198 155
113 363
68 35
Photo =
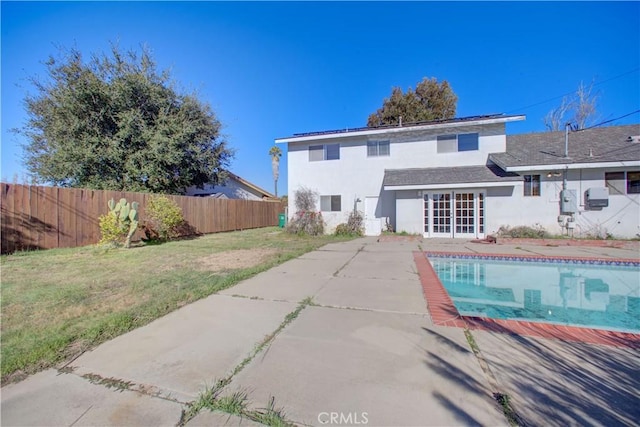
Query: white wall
409 211
621 218
355 175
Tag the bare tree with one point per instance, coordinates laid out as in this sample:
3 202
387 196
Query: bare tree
579 110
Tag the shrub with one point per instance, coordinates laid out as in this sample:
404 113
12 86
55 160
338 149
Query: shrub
523 232
306 220
112 231
164 218
353 227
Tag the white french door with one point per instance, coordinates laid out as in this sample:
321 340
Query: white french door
454 214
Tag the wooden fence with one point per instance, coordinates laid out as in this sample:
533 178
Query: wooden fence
35 217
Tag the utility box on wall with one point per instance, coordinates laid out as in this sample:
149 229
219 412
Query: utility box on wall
568 201
597 197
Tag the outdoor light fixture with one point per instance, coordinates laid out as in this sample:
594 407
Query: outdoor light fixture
554 174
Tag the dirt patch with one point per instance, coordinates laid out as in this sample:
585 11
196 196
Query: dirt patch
232 260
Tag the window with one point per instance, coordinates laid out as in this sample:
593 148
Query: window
633 182
377 148
324 152
615 181
459 142
316 153
332 152
532 185
623 182
330 203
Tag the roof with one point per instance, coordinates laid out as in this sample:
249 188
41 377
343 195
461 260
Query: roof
489 173
264 193
339 133
597 145
212 195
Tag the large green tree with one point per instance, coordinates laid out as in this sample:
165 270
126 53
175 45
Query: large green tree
430 101
116 122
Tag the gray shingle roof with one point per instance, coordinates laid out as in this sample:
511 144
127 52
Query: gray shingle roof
606 144
448 175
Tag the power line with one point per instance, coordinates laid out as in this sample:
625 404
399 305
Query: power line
609 121
572 92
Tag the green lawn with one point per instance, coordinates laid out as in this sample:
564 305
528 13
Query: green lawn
58 303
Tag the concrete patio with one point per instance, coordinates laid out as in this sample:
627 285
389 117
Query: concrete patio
364 348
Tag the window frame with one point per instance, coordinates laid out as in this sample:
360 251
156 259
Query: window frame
616 182
529 184
377 144
628 182
636 186
445 144
325 148
332 200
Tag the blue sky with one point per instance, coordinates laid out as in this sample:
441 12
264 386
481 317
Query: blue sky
273 69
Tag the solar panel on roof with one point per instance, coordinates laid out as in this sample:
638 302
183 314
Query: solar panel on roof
410 124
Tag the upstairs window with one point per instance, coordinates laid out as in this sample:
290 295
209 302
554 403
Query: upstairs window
331 203
377 148
324 152
532 185
457 142
623 182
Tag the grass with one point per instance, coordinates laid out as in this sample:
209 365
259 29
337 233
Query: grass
58 303
237 403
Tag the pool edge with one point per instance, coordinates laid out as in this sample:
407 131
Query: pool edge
443 313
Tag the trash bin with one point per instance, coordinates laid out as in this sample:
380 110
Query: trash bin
281 220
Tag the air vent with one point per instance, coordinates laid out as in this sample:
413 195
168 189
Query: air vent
633 139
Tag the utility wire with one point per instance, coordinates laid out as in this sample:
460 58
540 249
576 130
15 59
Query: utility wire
572 92
608 121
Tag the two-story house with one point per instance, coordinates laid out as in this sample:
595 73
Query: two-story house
466 178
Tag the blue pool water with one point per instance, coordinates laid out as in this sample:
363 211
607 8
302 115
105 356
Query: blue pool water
569 293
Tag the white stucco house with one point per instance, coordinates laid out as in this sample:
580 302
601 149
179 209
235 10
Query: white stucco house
466 177
234 187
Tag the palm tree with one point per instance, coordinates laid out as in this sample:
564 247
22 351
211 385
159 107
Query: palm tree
275 152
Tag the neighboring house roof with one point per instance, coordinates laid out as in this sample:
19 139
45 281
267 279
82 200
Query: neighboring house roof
434 124
214 195
446 176
613 144
265 194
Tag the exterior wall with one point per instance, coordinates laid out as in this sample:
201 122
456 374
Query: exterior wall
356 176
232 189
509 206
409 212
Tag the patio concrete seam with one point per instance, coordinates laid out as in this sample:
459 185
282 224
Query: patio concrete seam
348 261
373 310
261 347
81 415
150 390
491 378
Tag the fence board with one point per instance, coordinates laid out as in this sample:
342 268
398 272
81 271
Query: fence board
37 217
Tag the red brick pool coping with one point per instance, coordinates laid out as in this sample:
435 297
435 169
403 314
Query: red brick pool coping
444 313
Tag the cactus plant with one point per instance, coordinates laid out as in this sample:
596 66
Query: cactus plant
126 216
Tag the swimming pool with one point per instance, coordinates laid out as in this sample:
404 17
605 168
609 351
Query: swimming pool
586 293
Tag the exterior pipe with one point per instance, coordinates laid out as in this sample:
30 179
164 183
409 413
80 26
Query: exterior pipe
566 141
